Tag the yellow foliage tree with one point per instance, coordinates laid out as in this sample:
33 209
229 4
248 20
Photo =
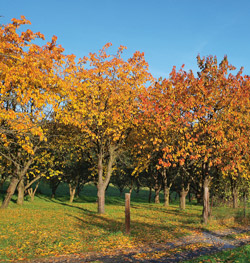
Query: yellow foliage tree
101 99
29 84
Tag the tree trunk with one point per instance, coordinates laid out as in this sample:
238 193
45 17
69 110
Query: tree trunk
235 196
157 195
157 188
10 191
20 189
20 173
183 195
166 188
166 191
32 192
103 181
101 199
100 187
72 191
29 188
206 207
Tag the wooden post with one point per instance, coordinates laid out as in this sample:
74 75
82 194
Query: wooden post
127 213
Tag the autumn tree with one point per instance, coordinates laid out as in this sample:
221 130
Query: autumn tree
215 91
191 120
204 107
101 100
29 91
164 125
235 156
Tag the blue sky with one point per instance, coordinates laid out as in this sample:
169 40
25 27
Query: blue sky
169 32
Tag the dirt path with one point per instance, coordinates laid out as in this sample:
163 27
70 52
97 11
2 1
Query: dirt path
182 249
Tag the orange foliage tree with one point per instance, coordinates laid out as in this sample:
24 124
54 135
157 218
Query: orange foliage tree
216 93
198 121
165 118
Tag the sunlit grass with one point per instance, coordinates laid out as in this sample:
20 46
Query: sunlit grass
54 226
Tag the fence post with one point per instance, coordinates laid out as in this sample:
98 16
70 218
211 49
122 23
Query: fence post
127 213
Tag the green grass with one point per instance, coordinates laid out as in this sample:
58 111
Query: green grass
238 255
49 227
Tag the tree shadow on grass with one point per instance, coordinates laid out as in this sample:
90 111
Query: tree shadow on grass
139 229
188 216
111 225
92 218
47 199
112 200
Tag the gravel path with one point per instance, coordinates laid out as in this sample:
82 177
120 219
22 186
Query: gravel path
182 249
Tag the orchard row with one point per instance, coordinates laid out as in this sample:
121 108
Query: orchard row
104 117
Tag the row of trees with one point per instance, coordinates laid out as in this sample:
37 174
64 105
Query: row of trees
105 116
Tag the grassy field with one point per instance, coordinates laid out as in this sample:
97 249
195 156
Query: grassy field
238 255
49 227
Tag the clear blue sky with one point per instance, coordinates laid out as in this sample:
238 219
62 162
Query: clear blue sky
169 32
